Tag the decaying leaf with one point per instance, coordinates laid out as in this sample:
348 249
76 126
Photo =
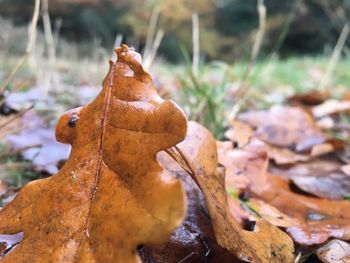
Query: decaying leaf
285 127
320 219
336 251
112 194
265 243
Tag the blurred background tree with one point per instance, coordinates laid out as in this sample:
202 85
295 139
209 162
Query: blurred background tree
227 26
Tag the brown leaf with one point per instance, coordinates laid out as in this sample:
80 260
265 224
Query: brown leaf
323 178
310 98
285 127
285 156
112 194
240 133
265 243
319 219
272 214
235 163
321 149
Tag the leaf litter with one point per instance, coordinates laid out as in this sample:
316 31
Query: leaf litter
239 201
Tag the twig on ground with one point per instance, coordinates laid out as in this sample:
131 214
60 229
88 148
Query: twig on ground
286 28
18 115
242 89
117 42
17 151
195 42
48 32
30 44
335 56
153 39
152 54
258 39
151 30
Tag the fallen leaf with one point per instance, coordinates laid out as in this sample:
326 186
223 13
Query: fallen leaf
112 194
323 178
9 241
238 174
336 251
265 243
310 98
285 156
240 133
319 219
272 214
285 127
346 169
325 123
321 149
36 143
3 188
330 107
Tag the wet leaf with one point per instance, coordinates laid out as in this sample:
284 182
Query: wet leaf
265 242
112 194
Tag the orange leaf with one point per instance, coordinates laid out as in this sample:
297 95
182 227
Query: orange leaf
112 194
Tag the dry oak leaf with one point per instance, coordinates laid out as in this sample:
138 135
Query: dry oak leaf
266 243
112 194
